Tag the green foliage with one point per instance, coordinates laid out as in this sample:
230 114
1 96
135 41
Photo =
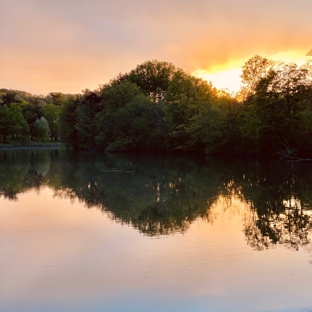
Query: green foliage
57 98
41 129
153 78
216 126
51 114
188 98
87 109
115 96
114 122
137 127
24 109
12 122
19 124
278 114
158 107
6 123
67 122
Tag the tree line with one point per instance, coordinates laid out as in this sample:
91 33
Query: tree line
25 117
159 107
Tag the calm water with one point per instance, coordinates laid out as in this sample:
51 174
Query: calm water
96 232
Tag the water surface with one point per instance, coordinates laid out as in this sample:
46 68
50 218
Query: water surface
97 232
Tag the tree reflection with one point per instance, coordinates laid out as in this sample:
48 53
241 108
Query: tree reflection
161 195
22 170
281 206
157 195
290 228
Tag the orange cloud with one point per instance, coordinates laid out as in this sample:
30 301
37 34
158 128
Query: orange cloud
68 46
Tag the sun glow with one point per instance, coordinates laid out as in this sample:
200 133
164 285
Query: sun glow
225 79
227 76
298 57
223 76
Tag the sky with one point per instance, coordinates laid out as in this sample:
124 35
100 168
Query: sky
71 45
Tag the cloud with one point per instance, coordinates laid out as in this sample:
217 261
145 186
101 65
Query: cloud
85 41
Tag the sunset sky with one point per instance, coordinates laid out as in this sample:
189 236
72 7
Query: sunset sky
70 45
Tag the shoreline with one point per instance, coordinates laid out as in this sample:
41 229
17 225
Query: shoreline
29 146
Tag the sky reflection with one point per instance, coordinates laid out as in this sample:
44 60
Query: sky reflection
56 255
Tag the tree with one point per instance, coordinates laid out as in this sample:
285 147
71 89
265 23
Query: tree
51 113
19 123
114 98
253 70
186 97
57 98
31 114
88 107
216 126
136 127
6 122
153 78
41 129
67 122
12 121
274 118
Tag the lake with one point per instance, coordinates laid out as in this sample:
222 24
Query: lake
82 231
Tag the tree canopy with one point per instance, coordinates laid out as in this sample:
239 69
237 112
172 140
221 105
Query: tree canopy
159 107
